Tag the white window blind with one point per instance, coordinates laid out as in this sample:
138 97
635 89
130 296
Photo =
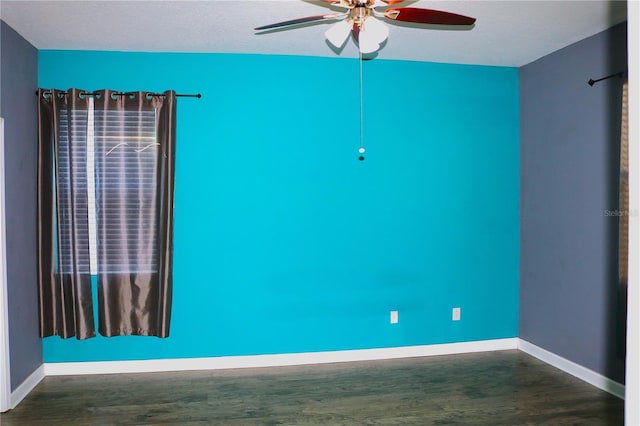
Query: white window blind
71 193
113 190
126 160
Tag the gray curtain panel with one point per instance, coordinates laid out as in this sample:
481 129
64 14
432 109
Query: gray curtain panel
131 180
135 145
65 297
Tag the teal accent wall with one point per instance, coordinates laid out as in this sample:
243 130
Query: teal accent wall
285 242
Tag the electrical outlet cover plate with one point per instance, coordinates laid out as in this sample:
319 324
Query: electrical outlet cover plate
393 317
455 314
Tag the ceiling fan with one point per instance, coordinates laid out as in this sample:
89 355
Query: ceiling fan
364 21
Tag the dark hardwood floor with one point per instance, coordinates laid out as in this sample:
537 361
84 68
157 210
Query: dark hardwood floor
492 388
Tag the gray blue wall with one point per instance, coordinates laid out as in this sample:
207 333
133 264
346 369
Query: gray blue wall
19 62
570 300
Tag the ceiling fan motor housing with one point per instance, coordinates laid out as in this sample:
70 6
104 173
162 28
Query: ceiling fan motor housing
359 14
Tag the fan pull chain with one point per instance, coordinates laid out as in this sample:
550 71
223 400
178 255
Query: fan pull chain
361 150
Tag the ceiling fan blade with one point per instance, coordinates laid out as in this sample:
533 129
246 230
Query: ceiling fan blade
299 21
392 2
427 16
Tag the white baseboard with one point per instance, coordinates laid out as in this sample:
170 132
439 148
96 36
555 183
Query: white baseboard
279 360
583 373
27 386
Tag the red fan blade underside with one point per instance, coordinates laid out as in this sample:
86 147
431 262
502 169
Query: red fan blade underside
427 16
299 21
391 2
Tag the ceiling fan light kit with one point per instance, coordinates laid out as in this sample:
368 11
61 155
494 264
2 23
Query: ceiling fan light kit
364 21
338 34
371 35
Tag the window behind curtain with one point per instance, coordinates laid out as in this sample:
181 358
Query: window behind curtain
125 157
72 125
623 241
126 161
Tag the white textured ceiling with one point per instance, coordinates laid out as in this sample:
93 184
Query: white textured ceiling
507 33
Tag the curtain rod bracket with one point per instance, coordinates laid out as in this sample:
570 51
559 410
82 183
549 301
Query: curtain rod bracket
620 74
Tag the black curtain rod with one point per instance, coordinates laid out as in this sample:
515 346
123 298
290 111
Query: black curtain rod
591 81
178 95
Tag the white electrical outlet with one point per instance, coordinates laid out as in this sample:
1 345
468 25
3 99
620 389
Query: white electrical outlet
455 314
393 317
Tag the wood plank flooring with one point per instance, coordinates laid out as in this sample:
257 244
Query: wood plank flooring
492 388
